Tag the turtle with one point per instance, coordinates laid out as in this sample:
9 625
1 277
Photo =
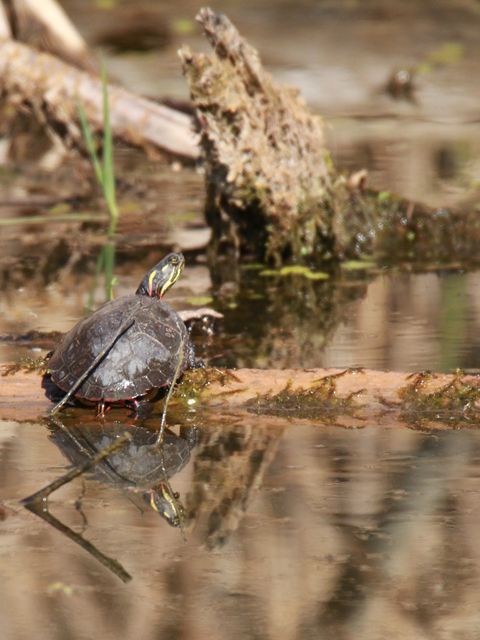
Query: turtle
129 348
139 467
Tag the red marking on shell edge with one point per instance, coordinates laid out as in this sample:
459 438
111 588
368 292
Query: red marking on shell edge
116 400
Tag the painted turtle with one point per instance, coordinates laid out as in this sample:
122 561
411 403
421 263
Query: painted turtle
139 467
129 348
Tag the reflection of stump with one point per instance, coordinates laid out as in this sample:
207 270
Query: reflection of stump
229 467
267 167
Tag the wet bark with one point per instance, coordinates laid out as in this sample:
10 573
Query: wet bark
352 398
52 89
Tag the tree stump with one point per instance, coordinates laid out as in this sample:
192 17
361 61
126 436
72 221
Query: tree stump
267 169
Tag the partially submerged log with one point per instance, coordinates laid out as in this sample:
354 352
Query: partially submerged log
272 192
53 89
353 398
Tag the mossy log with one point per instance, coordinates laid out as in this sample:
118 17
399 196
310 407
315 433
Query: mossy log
272 192
353 398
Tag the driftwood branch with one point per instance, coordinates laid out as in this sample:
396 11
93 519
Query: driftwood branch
52 89
46 27
5 30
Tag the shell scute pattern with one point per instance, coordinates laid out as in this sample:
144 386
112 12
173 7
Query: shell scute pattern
143 358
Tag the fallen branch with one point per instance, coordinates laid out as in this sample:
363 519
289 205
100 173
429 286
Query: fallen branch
52 89
46 27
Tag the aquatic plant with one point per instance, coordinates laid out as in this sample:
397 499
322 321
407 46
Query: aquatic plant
104 171
456 402
105 175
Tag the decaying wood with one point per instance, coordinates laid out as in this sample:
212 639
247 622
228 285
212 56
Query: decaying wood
266 163
347 398
52 89
272 192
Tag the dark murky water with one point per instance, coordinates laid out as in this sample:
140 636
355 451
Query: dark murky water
289 531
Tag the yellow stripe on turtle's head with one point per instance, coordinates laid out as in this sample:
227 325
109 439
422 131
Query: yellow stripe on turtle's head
164 502
151 278
163 275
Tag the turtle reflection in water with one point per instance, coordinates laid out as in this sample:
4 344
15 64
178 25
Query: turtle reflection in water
140 466
128 349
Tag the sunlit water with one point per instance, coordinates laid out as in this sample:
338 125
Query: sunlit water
336 532
290 531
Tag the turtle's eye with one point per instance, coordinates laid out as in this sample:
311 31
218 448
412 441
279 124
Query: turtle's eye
174 260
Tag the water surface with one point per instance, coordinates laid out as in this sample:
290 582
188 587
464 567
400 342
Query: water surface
290 531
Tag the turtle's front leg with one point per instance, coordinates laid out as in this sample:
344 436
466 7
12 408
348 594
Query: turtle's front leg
102 408
141 407
193 362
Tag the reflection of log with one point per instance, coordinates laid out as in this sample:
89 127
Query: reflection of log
349 398
52 88
265 158
231 462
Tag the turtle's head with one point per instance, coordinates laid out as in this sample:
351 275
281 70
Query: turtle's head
165 503
159 279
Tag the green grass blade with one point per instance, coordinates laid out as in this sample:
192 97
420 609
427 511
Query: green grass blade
105 175
108 170
109 268
51 218
89 141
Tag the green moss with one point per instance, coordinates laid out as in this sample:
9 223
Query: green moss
196 382
454 403
383 196
27 364
297 270
320 400
358 265
200 301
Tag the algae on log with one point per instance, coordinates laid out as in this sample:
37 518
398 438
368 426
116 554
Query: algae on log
268 172
272 192
353 398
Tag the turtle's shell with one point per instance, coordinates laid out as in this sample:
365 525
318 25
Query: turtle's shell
145 357
139 463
